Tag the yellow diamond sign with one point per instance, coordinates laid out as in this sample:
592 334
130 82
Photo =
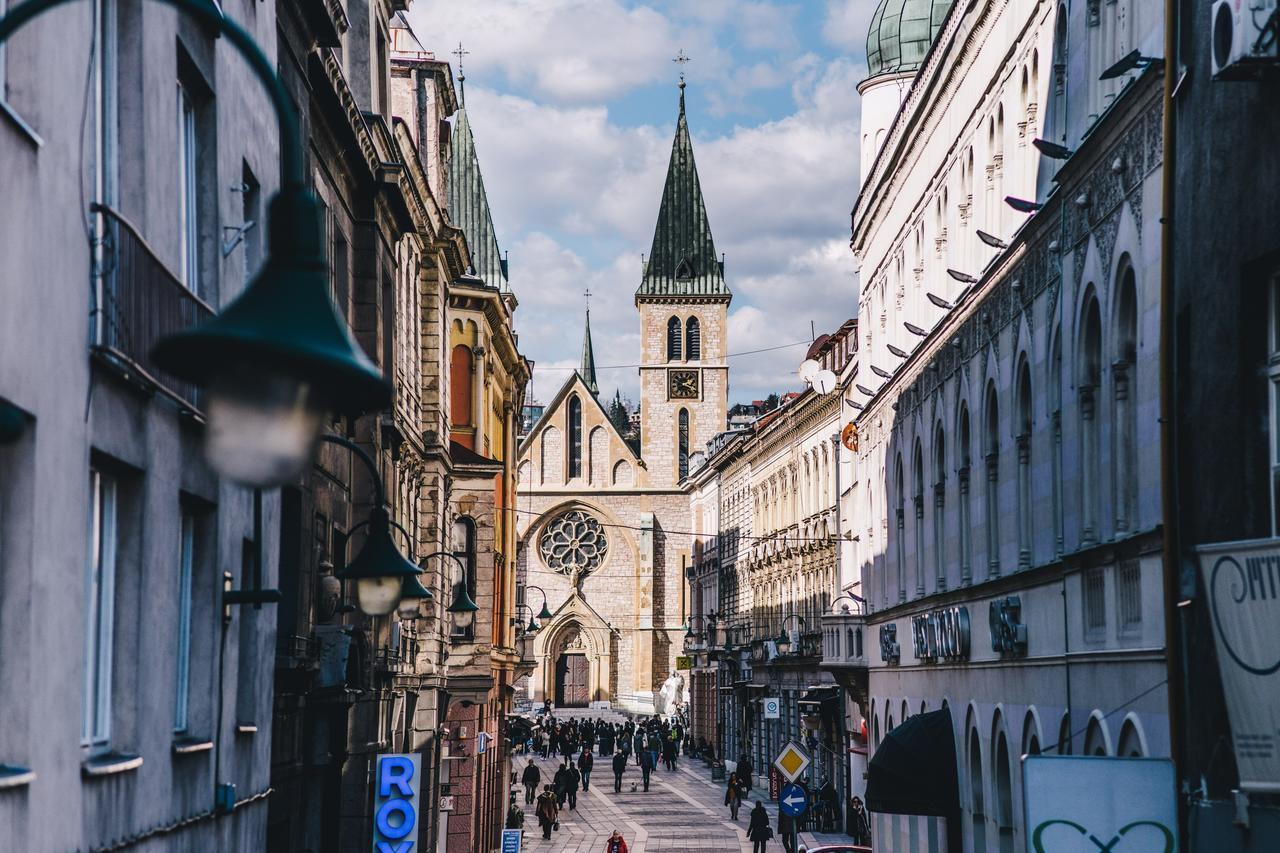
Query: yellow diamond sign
792 761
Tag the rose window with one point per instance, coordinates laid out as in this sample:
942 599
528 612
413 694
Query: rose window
574 544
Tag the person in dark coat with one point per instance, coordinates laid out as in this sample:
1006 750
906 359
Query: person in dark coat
586 762
572 780
785 828
531 778
744 771
561 783
547 810
733 796
859 823
646 766
619 767
758 829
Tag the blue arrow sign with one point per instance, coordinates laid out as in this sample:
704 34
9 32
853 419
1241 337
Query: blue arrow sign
793 800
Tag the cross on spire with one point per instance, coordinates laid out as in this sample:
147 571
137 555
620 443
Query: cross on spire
587 293
462 78
681 59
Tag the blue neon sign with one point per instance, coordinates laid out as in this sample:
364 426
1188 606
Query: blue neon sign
395 803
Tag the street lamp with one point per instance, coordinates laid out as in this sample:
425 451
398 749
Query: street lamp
278 357
545 613
784 639
532 627
462 609
858 602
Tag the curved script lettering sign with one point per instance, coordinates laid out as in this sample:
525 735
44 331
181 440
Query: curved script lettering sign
1083 804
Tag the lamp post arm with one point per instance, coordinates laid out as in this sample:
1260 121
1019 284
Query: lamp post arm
363 456
528 587
291 170
461 565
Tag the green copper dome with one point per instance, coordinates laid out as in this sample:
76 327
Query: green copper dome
902 32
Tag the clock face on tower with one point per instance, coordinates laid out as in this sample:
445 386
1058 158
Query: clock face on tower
682 385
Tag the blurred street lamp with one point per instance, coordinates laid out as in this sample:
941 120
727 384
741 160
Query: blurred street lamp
545 613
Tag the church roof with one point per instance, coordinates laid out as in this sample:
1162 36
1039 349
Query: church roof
683 259
588 369
902 31
469 206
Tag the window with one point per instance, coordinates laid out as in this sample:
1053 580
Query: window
1124 387
1129 598
464 548
683 444
673 339
692 339
1095 603
1090 376
918 465
939 505
899 530
188 198
1055 404
1095 738
100 581
962 476
1004 794
251 222
460 386
993 481
575 437
1024 466
186 553
976 808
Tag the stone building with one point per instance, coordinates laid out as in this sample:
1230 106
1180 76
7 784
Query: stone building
1008 466
604 530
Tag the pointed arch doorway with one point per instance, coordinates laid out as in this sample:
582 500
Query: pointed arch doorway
574 658
573 674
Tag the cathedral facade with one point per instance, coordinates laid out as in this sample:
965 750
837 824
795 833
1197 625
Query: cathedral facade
603 524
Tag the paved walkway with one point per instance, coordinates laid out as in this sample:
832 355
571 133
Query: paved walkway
682 810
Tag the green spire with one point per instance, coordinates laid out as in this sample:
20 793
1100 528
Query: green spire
683 260
588 369
469 206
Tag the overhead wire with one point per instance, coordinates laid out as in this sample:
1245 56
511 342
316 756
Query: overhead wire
730 355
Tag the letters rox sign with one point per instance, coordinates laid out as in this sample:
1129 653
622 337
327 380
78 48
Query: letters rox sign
1242 585
395 803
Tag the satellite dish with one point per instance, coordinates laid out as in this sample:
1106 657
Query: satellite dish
809 369
824 382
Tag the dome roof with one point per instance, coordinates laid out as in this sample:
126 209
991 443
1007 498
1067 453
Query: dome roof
901 34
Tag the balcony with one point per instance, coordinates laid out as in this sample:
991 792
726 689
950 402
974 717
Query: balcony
142 302
844 641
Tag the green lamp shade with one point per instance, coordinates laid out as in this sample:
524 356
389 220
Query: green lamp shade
411 587
533 626
546 612
783 642
462 602
284 323
379 570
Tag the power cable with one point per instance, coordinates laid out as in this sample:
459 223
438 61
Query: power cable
730 355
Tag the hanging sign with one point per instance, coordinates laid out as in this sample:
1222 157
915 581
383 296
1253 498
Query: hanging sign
395 803
772 708
1242 582
1078 804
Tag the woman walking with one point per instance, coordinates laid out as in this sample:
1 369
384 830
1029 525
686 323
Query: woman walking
758 829
733 796
548 810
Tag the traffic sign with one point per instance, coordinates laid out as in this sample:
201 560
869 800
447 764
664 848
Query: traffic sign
792 761
772 708
794 801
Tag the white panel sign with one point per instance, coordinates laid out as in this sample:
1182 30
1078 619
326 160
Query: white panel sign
772 708
1242 580
1076 804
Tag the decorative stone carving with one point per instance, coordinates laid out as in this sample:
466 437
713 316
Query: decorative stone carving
574 544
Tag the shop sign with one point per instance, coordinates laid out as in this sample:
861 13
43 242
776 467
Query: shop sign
1078 804
395 803
890 651
772 708
1242 581
941 634
1008 634
511 840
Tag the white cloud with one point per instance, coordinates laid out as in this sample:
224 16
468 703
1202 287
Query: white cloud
847 22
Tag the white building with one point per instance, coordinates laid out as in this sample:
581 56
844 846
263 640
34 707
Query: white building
1008 463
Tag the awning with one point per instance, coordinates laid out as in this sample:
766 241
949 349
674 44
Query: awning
914 772
818 695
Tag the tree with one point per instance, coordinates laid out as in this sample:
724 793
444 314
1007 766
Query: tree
771 402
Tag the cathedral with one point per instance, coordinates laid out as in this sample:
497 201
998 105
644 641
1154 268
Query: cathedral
603 524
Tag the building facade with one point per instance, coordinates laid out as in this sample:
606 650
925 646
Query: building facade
1008 462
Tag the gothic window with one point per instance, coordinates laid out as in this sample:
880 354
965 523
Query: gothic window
918 465
976 809
1004 794
1055 405
939 504
1124 386
683 440
962 477
1023 439
692 339
574 544
1090 376
684 269
899 529
992 449
575 437
673 339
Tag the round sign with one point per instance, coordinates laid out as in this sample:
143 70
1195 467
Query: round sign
771 708
793 800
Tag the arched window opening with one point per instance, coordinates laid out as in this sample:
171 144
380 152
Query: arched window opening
673 339
991 450
1124 388
1004 794
899 530
1024 467
1055 414
692 339
683 441
939 505
1095 739
1060 76
1090 376
976 809
464 548
1030 735
1130 742
918 466
962 480
461 408
1064 736
575 437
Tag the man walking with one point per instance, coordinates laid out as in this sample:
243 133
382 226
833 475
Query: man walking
531 778
586 761
619 767
561 783
646 766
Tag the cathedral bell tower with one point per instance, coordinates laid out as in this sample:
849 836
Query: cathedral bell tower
684 304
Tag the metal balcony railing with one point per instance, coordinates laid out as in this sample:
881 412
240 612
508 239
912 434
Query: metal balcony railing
142 302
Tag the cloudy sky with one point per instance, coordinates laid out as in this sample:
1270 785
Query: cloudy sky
573 105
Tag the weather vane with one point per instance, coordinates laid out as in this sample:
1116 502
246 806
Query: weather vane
681 58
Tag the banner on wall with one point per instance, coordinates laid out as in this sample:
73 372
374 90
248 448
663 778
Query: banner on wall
1083 804
1242 585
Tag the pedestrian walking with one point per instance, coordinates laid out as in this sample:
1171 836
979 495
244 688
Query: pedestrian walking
786 829
531 778
758 829
615 844
573 779
733 796
586 762
646 766
744 771
561 784
859 824
548 811
619 767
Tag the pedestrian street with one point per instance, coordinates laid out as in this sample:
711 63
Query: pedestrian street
682 810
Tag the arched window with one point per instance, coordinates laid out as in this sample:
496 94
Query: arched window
991 449
1130 741
939 505
1059 123
1024 466
1089 377
1124 384
461 408
1004 794
673 339
1055 408
575 437
1064 735
1095 738
464 548
683 441
918 465
1030 735
976 809
692 339
898 545
964 457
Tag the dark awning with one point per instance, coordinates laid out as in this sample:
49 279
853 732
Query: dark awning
818 695
914 772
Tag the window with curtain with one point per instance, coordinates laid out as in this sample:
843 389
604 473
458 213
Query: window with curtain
575 437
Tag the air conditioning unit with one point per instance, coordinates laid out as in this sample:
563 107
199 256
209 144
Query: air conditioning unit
1246 35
